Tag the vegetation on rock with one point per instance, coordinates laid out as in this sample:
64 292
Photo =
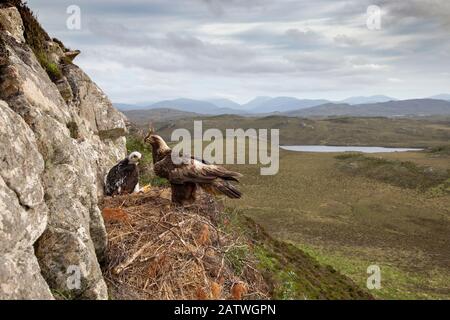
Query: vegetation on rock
37 38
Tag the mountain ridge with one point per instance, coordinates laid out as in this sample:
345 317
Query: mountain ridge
398 108
262 104
413 107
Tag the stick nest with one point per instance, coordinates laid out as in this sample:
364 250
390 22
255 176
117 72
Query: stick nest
158 251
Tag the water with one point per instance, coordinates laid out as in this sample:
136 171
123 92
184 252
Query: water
319 148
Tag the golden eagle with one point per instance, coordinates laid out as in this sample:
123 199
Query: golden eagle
187 173
123 178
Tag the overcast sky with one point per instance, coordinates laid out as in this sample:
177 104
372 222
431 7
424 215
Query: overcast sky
149 50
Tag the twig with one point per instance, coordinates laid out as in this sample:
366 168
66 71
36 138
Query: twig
129 261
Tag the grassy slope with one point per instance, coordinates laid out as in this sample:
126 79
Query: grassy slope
351 222
292 273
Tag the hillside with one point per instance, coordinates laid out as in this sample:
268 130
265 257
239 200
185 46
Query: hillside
394 132
283 104
404 108
144 117
442 96
190 105
127 107
351 211
225 103
365 100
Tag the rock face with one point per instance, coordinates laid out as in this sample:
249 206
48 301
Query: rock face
57 141
11 22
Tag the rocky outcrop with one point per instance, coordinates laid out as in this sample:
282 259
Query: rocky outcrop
58 139
23 212
12 23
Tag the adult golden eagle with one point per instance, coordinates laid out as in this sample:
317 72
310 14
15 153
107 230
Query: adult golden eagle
123 178
188 173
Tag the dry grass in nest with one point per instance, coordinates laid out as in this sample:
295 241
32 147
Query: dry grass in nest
157 251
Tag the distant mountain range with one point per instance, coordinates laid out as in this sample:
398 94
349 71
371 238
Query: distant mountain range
441 97
226 106
127 106
365 100
283 104
197 106
225 103
378 105
144 117
253 104
415 107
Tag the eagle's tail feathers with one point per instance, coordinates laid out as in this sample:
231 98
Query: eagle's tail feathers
223 173
224 187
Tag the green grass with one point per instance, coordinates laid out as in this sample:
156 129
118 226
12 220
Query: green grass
286 281
236 257
395 282
53 71
405 174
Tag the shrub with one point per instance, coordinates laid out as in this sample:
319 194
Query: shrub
441 150
36 38
53 71
405 174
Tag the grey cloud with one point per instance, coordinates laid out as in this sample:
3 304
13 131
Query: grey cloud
230 42
345 40
428 10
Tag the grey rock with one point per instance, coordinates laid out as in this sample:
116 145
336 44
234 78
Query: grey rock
52 174
20 277
23 212
12 23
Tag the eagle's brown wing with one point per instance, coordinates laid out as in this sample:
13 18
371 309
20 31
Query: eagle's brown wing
193 170
182 174
213 179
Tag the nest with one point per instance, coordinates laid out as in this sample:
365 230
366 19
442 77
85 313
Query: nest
158 251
